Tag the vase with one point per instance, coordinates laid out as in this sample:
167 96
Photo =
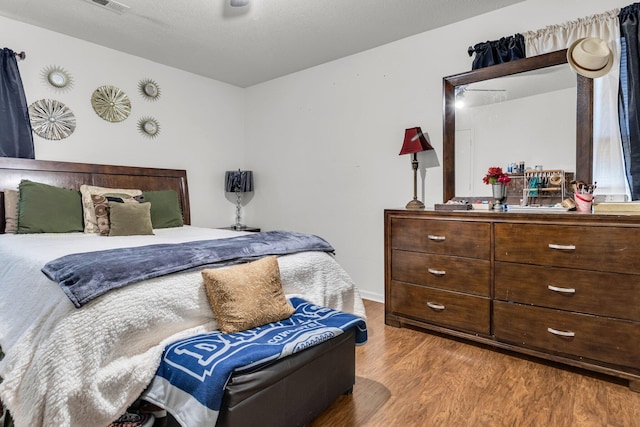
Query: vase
583 202
499 193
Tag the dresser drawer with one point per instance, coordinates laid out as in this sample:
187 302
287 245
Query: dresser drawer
446 308
604 294
608 340
440 271
612 249
468 239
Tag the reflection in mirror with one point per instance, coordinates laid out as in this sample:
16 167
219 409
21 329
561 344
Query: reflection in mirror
547 121
527 117
57 79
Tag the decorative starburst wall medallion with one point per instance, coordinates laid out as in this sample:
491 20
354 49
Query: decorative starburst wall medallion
148 126
111 103
149 89
57 77
51 119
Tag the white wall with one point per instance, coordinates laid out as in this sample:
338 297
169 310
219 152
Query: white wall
324 142
201 120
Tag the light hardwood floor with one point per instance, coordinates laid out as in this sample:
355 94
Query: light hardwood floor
406 377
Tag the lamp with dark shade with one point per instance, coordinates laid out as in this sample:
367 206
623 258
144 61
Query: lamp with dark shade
414 142
238 182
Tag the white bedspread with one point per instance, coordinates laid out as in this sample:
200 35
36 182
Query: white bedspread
65 366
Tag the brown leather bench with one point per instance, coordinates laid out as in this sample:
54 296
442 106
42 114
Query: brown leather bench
291 391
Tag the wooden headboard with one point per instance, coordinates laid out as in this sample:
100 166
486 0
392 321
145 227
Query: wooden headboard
73 175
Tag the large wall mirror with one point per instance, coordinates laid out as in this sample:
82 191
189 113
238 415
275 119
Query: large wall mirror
534 110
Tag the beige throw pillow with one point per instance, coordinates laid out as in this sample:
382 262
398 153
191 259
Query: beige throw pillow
246 296
10 210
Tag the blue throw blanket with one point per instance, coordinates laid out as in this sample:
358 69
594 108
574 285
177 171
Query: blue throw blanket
86 276
193 372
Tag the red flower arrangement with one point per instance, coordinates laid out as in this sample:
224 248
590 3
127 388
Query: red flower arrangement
496 176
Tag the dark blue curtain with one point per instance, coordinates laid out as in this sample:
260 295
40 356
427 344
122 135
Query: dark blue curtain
629 94
498 51
16 137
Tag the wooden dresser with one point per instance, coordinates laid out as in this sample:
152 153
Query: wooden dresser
563 287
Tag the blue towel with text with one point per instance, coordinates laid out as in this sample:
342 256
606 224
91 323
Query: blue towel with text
193 372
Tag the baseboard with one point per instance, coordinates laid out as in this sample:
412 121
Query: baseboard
373 296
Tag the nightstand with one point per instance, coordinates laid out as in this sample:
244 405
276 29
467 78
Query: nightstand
246 228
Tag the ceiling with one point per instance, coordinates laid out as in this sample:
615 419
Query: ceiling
246 45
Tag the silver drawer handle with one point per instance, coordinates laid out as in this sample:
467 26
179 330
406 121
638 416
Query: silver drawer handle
562 247
561 333
436 272
436 238
435 306
561 290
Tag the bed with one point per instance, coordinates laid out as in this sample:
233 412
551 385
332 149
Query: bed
84 364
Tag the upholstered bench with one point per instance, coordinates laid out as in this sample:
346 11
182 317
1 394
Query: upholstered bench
291 391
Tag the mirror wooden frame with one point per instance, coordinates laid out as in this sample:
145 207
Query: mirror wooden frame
584 113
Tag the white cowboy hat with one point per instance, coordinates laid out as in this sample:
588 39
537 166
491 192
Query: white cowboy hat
590 57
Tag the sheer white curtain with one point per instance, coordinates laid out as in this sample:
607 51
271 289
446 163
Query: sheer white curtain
608 160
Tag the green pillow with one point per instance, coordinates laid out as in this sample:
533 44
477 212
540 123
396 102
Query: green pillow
45 208
130 219
165 208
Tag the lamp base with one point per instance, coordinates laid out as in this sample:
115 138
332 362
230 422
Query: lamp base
415 204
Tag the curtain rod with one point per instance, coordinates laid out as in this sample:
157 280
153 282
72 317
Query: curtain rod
20 55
